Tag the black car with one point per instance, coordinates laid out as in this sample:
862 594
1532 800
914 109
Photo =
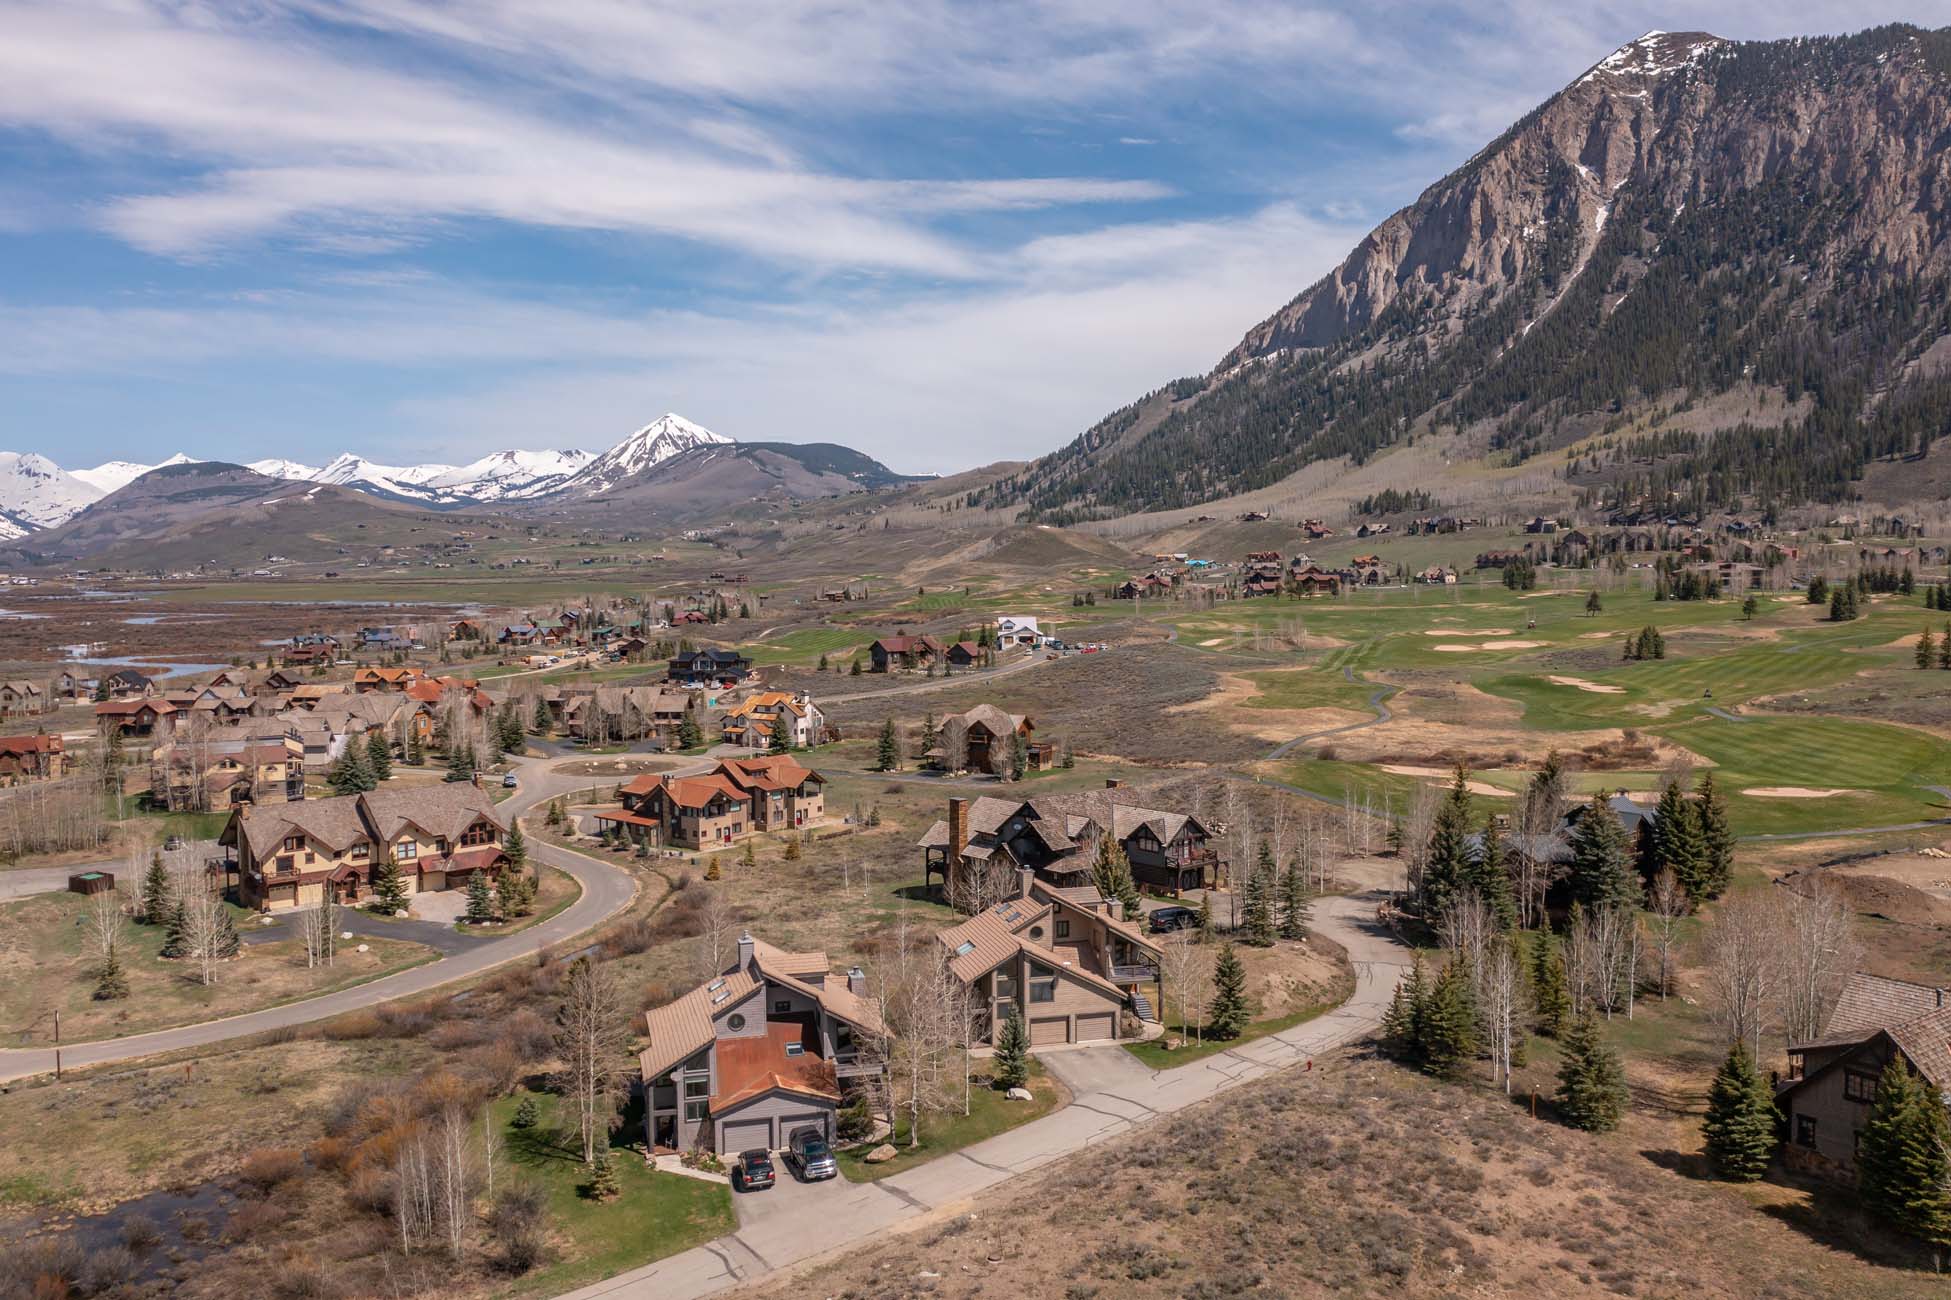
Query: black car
753 1172
1166 919
809 1154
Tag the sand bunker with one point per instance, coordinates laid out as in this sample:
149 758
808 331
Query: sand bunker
1597 688
1217 640
1439 774
1488 645
1464 631
1792 792
1597 636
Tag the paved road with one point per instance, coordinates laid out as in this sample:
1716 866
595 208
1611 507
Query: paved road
1114 1094
607 890
50 880
1009 669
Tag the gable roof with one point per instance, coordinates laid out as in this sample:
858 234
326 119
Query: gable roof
1872 1002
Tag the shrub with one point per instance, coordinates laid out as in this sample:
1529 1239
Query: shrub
269 1167
108 1269
330 1153
304 1280
45 1266
517 1221
372 1189
253 1219
139 1232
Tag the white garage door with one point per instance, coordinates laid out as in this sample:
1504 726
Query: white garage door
791 1124
1047 1033
744 1135
1094 1027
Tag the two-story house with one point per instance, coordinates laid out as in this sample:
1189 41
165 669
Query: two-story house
137 717
771 1045
31 758
290 855
21 698
977 849
905 652
709 668
1064 960
739 797
984 740
1832 1081
218 772
754 720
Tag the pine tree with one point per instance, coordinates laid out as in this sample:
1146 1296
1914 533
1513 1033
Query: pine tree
1491 877
1591 1079
1019 757
1943 645
416 753
111 983
1551 1001
1111 873
351 772
889 757
1740 1124
603 1183
379 755
526 1114
1296 910
1258 920
689 734
1717 840
1012 1052
1903 1169
480 903
1228 1013
226 944
1449 865
389 890
712 870
1678 842
155 891
1593 605
1207 932
1926 649
1602 873
460 764
540 722
1399 1023
176 939
1447 1025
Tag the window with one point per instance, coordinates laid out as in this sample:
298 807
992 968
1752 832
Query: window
1043 990
1036 932
1795 1065
697 1087
408 851
358 850
1805 1130
1858 1086
1063 929
695 1110
478 834
735 1021
1005 985
782 1006
440 845
293 843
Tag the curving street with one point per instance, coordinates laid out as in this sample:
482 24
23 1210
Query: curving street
606 890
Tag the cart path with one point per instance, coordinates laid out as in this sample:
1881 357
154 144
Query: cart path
795 1224
606 891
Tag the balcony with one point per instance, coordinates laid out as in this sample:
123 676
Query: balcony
1133 973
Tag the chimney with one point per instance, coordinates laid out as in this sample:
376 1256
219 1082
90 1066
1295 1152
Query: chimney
958 829
1023 878
1116 907
857 982
1113 783
745 946
244 815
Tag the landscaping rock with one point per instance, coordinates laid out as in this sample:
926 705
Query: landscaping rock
1173 1043
880 1155
1020 1094
364 947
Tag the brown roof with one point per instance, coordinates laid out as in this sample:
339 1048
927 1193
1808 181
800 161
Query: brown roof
1872 1002
1927 1042
36 744
749 1068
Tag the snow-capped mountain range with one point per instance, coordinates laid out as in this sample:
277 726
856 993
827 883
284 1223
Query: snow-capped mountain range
35 493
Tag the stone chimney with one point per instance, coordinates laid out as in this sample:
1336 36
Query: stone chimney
958 829
1023 878
1116 907
745 947
857 982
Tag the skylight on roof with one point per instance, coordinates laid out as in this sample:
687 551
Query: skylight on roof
720 996
795 1049
964 948
716 984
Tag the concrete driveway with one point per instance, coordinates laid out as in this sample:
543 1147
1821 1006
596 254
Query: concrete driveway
1099 1067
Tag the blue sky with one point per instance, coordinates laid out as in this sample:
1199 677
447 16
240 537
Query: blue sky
942 233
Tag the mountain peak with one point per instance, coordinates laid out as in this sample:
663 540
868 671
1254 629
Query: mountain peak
1656 54
670 434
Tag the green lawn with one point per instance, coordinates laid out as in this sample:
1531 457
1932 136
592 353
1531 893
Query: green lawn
657 1215
990 1113
1154 1054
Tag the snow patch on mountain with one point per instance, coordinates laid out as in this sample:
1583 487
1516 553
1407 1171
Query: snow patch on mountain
278 467
37 493
513 475
114 475
667 436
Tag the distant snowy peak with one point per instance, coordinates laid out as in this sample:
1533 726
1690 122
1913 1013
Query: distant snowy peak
279 468
118 474
37 493
1657 54
509 475
410 483
667 436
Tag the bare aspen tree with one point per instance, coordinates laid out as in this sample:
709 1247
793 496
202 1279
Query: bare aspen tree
1820 953
592 1031
107 927
1613 932
1581 961
453 1169
1186 968
491 1145
1417 824
413 1191
1742 953
203 914
1498 1003
718 932
311 929
1468 928
927 1022
1667 907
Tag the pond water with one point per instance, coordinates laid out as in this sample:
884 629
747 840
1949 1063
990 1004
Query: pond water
164 1231
167 667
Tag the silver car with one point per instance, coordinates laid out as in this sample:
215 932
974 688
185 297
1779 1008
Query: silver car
810 1156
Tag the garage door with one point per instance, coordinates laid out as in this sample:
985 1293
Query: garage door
791 1124
1091 1028
745 1135
1046 1033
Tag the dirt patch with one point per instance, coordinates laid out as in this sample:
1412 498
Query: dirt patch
1875 895
1597 688
1793 792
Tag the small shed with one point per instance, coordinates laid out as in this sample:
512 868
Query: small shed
91 882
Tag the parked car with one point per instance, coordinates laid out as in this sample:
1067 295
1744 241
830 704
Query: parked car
173 843
508 781
809 1154
1166 919
753 1172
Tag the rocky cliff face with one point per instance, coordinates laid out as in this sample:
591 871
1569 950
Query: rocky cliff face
1689 214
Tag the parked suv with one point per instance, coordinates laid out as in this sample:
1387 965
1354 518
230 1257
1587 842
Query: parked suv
809 1154
1173 918
754 1171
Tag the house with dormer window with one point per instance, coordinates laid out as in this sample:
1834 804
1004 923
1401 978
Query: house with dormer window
773 1044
